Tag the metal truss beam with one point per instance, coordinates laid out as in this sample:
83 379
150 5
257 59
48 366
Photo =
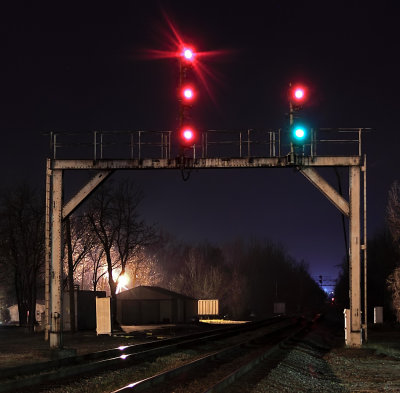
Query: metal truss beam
85 191
322 185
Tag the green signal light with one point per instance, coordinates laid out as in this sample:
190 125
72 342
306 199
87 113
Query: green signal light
299 134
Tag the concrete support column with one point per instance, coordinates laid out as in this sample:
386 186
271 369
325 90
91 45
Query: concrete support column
56 262
354 338
47 256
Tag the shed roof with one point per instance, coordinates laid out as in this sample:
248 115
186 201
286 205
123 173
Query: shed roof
145 292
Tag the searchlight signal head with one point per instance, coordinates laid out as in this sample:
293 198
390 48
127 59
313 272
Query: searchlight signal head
188 54
187 136
188 93
298 94
299 134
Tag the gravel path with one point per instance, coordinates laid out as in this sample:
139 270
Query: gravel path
321 363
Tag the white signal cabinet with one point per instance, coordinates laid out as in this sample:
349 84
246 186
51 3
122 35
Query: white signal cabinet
103 315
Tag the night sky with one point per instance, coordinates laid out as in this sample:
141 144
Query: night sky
87 67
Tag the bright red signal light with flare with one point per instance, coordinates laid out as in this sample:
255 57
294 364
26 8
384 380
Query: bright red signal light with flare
298 94
187 136
188 54
188 93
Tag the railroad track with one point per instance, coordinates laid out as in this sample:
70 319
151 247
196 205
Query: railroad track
59 371
214 372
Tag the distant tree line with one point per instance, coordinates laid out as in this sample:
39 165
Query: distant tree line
22 248
248 277
107 239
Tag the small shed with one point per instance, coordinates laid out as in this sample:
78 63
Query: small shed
147 305
85 309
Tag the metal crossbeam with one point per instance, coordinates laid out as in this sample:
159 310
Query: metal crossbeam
209 163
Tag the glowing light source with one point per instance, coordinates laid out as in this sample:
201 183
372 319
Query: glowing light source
188 54
299 132
188 93
298 93
188 134
122 280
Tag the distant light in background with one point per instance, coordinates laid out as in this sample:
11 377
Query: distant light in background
123 281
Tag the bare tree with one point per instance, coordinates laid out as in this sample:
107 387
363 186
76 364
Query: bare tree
132 234
98 266
22 246
145 269
113 217
394 285
393 219
393 212
200 279
236 297
78 243
101 218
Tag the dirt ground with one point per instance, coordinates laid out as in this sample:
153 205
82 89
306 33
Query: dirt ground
325 366
375 367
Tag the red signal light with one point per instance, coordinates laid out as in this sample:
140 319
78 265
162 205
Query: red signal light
298 93
188 93
187 136
188 54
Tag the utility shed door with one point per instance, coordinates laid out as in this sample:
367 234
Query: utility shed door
131 312
103 315
150 311
166 311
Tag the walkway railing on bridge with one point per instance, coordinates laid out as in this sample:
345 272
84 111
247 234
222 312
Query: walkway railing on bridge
141 144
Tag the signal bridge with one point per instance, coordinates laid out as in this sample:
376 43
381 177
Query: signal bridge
106 152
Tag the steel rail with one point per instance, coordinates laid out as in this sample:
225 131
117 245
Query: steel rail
192 365
53 370
244 369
